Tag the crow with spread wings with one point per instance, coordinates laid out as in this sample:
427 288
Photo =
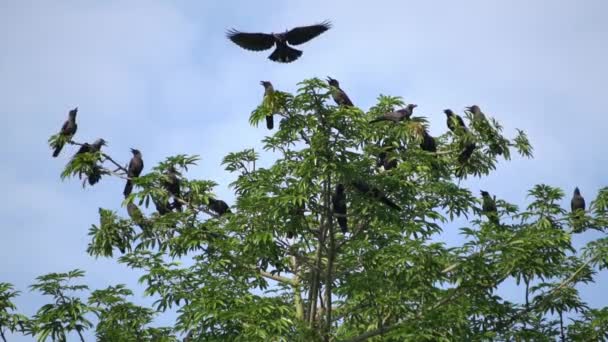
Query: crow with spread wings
283 52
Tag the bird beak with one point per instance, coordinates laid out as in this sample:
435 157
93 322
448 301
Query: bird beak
262 82
414 105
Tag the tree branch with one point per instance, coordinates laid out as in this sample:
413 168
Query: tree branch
276 277
382 330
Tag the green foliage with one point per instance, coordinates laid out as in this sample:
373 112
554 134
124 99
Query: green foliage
66 313
277 268
120 320
9 319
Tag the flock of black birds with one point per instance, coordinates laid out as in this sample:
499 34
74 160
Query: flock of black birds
283 53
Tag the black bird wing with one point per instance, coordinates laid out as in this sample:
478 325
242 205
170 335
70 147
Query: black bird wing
302 34
251 41
460 121
86 147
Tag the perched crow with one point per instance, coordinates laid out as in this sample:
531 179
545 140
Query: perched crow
137 216
136 165
338 200
577 202
428 142
374 193
477 113
450 120
95 174
161 207
268 96
464 156
338 94
219 206
91 148
283 52
67 130
488 207
172 184
398 115
384 160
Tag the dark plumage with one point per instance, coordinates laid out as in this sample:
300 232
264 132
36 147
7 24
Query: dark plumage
269 96
398 115
488 207
428 142
374 192
172 184
384 160
283 52
577 202
67 130
91 148
464 156
219 206
477 113
162 207
338 200
454 121
136 165
95 173
338 94
137 216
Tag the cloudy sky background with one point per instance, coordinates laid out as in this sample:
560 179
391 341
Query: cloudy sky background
160 76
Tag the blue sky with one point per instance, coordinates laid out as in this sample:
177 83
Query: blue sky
158 76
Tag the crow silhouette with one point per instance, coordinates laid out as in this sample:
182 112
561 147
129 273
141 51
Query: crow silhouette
283 52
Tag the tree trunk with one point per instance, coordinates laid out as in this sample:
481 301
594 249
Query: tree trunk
330 261
297 293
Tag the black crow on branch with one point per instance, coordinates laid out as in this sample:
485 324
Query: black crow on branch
67 130
269 97
338 200
477 113
398 115
283 53
488 207
466 153
577 202
374 192
219 206
136 165
428 142
95 174
172 184
454 121
338 94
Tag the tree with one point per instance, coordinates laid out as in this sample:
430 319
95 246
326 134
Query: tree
279 268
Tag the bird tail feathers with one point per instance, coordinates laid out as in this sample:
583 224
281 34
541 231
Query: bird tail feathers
285 54
342 221
128 188
57 151
377 120
269 122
